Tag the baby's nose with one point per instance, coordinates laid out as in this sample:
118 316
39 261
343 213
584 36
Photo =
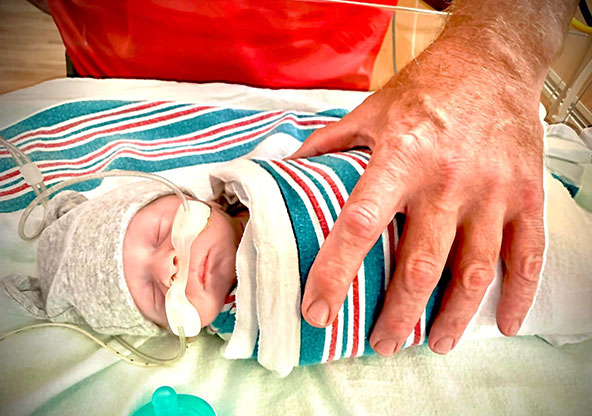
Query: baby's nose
166 267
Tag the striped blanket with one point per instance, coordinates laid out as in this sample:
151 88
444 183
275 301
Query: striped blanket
80 137
293 205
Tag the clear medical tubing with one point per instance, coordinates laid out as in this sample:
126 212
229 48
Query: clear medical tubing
42 197
34 178
149 361
30 171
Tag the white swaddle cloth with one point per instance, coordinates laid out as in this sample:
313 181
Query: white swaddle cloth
268 320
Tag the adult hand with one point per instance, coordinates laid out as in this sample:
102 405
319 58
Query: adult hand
457 146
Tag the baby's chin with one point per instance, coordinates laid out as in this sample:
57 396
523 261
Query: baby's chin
208 313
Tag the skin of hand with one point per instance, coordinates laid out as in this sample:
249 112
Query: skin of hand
457 146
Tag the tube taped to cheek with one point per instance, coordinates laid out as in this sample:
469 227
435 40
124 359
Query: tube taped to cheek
187 225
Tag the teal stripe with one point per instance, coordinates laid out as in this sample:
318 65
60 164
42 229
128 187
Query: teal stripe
97 125
346 318
311 347
189 126
22 201
224 322
60 113
343 169
334 210
335 112
129 163
320 188
172 129
373 263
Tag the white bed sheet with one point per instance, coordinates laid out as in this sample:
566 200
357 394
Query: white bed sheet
53 371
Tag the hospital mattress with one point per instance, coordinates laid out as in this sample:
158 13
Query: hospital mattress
53 371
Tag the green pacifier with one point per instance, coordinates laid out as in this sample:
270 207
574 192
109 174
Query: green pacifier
166 402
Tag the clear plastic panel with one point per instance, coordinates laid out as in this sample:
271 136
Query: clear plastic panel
267 43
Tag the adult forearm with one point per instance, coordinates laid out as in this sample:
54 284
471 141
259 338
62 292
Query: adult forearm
521 38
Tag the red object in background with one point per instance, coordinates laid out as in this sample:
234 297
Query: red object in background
267 43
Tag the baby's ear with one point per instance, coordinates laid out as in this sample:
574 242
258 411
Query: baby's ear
62 203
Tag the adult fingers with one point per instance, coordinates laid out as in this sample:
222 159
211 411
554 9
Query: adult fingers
341 135
523 256
479 240
331 138
371 206
426 241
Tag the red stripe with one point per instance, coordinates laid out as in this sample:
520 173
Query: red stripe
181 113
34 133
327 178
72 175
356 316
107 148
355 283
315 204
324 227
357 159
19 188
333 347
417 333
149 144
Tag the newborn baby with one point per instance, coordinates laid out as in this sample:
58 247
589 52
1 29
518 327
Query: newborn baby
107 262
150 262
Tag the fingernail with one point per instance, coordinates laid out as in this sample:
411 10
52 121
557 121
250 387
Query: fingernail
318 312
444 345
385 347
513 330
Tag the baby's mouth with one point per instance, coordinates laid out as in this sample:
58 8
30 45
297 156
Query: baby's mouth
203 269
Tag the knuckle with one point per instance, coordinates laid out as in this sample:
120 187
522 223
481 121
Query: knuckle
532 196
457 324
450 175
398 327
419 274
360 219
498 178
333 278
527 270
475 276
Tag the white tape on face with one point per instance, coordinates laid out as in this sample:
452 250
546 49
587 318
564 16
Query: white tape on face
187 225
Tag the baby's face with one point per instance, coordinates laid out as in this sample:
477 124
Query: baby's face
149 260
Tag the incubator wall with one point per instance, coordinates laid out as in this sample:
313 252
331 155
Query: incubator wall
267 43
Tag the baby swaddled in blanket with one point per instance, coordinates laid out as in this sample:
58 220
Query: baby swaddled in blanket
108 262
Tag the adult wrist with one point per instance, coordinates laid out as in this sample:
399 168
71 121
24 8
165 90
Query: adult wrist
519 39
492 56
